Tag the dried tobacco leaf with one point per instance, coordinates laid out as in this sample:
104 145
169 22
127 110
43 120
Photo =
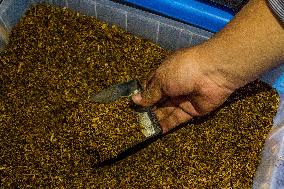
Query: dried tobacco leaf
50 132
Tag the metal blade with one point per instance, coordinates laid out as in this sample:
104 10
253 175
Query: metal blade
116 91
134 148
153 132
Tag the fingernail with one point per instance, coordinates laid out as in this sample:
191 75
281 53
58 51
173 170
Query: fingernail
137 98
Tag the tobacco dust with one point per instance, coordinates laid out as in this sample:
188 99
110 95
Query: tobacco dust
51 134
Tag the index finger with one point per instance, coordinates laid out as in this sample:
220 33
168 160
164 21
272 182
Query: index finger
152 92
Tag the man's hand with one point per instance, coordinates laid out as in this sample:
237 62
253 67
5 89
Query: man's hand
186 87
195 81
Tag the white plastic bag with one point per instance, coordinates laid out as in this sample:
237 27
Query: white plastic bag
270 172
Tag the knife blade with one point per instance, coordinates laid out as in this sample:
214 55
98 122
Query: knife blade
116 91
155 134
134 148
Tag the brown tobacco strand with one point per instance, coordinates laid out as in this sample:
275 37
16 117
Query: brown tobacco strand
51 134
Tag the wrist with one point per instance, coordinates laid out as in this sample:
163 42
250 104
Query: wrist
220 68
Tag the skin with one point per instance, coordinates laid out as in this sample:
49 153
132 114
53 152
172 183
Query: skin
194 81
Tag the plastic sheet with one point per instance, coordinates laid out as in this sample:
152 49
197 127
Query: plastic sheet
270 173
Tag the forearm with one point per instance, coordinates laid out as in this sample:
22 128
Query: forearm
250 44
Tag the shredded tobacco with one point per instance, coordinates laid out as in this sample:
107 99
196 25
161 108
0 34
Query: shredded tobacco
116 127
51 134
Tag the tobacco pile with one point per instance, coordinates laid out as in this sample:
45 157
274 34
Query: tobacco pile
49 130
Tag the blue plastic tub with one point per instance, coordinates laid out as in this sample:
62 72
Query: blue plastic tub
172 35
192 12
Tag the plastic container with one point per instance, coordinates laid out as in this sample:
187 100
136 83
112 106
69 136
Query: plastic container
168 33
194 12
172 35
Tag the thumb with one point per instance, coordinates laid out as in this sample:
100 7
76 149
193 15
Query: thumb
151 95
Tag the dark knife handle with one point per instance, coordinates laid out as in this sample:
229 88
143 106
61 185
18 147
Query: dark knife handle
145 113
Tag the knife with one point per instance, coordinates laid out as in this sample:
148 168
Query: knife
150 125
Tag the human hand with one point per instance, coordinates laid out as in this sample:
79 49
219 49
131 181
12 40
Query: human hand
185 85
195 81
